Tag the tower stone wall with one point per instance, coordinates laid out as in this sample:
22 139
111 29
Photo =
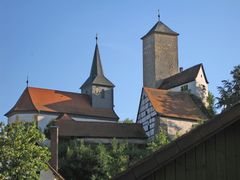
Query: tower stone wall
160 55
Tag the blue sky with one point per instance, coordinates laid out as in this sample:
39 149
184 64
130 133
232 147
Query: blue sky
53 43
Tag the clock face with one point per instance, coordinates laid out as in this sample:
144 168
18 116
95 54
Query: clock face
97 91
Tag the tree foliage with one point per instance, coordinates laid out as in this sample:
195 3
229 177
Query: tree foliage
91 162
128 121
159 140
21 156
79 160
230 91
211 105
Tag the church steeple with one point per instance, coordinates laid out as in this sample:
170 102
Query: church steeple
97 86
96 74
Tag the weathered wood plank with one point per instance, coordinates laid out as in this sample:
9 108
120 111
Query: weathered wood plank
190 165
180 168
230 154
160 174
210 159
170 171
237 148
220 156
150 177
200 162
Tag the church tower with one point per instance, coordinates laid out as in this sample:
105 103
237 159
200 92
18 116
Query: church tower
97 86
160 54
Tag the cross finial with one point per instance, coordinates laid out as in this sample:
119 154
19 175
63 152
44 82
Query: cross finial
96 38
158 15
27 81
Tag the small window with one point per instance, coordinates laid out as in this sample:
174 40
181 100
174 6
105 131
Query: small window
203 87
103 94
184 88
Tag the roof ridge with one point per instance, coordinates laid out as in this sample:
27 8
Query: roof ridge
187 75
56 90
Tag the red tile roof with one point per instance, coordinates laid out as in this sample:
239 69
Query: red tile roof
174 104
54 101
70 127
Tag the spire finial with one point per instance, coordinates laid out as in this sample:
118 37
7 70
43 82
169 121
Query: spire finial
27 81
96 38
158 15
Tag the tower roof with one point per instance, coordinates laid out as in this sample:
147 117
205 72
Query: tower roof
96 75
161 28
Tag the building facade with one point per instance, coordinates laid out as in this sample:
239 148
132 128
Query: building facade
161 73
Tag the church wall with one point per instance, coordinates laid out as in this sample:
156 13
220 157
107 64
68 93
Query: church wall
147 115
176 127
44 119
21 117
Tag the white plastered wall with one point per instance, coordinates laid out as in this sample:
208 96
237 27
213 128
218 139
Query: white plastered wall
44 119
199 87
176 126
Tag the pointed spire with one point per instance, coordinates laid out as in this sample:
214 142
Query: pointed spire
96 73
96 64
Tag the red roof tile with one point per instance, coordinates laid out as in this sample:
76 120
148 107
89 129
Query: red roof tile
174 104
54 101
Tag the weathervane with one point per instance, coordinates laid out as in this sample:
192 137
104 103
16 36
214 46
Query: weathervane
96 38
27 81
158 15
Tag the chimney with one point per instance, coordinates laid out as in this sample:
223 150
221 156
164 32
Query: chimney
54 147
181 69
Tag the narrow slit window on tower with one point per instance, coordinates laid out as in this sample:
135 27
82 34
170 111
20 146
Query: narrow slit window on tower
103 94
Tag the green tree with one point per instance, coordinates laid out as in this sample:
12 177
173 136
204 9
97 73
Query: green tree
118 158
211 105
159 140
127 120
80 161
21 155
230 91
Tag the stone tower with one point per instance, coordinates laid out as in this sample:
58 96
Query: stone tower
97 86
160 55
